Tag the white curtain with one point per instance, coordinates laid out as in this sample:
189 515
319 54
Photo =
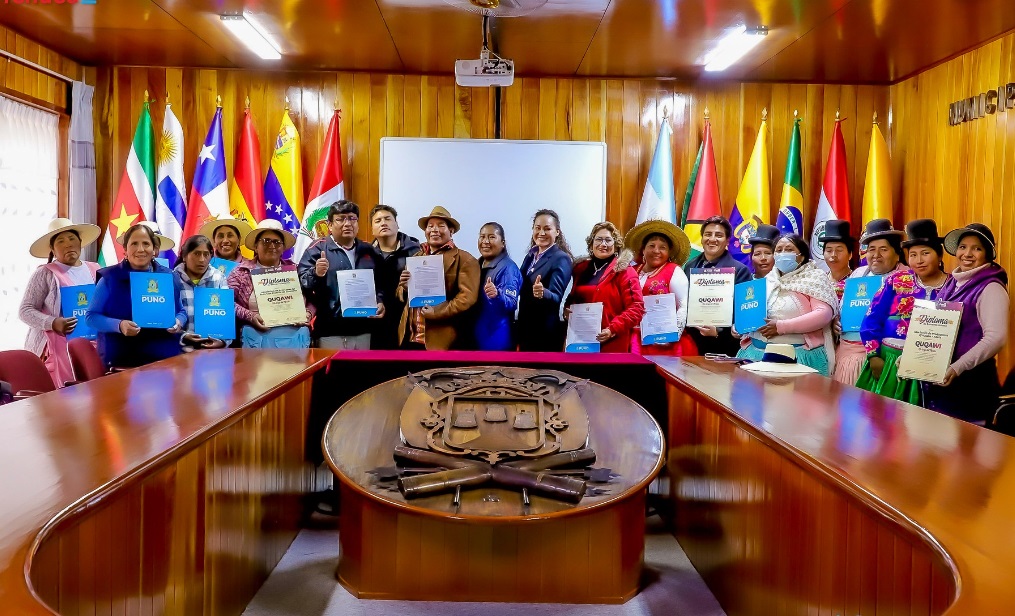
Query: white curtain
29 154
82 161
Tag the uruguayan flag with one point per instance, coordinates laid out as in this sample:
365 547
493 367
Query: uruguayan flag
170 200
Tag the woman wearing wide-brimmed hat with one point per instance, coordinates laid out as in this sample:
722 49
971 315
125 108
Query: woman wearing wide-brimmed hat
268 241
61 245
971 387
662 248
884 328
884 256
227 236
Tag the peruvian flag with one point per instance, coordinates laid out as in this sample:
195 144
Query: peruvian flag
327 188
135 199
834 201
209 194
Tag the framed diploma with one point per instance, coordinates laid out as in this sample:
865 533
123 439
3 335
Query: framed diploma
357 293
856 299
73 305
152 303
426 282
710 298
584 324
751 301
279 295
930 341
214 313
659 325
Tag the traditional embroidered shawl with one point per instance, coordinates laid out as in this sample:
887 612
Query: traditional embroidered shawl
808 280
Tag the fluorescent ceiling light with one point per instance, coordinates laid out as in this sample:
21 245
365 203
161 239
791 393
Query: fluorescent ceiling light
250 33
734 46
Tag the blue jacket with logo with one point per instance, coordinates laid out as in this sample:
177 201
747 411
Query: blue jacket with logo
495 316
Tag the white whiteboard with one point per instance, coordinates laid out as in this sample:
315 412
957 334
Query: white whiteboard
484 180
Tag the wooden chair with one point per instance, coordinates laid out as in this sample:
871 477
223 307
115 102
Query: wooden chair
85 360
1004 416
26 373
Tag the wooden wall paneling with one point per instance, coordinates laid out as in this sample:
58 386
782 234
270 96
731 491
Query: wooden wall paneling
378 128
412 100
563 120
395 105
615 155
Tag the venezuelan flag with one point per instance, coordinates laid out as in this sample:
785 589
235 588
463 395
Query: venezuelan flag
283 187
753 199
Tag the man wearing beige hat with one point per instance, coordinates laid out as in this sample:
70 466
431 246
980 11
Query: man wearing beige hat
435 327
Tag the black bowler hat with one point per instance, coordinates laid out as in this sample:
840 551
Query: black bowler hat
838 231
880 229
922 232
767 235
974 228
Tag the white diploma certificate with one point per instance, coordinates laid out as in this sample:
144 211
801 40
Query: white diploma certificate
930 341
659 325
710 297
584 324
279 295
357 293
426 280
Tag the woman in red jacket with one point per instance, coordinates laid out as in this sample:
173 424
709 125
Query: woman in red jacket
606 276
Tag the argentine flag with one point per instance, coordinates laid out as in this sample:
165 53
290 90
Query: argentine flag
170 203
657 202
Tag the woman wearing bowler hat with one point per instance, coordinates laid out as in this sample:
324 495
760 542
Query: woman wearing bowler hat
971 388
763 250
884 328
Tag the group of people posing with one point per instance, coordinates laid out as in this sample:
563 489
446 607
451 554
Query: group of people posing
493 304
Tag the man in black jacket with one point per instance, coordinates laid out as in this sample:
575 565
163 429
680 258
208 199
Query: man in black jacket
391 247
341 250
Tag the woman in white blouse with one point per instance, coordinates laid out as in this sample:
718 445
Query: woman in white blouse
662 248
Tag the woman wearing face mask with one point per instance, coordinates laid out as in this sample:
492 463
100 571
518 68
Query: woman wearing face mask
884 328
763 250
122 343
498 297
715 240
801 305
664 248
268 241
194 271
546 272
970 390
42 304
606 276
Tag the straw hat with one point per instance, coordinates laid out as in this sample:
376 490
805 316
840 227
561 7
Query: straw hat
164 242
209 227
779 359
269 224
443 214
40 247
680 246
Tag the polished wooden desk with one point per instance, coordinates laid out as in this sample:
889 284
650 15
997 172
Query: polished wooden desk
799 495
170 489
491 548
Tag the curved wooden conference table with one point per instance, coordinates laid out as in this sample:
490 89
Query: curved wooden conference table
176 488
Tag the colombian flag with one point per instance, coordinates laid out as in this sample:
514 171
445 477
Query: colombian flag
283 188
791 218
701 201
752 206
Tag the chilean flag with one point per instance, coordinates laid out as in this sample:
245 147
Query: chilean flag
209 194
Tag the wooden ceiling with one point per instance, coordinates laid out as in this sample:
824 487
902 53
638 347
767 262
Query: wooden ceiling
846 41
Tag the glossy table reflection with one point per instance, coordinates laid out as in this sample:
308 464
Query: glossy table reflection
801 495
170 489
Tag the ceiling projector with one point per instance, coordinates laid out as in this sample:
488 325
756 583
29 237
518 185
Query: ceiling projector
489 70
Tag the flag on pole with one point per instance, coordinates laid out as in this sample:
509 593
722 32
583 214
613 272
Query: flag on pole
283 187
791 218
753 199
833 204
657 202
170 203
246 193
328 187
877 187
135 199
209 194
701 201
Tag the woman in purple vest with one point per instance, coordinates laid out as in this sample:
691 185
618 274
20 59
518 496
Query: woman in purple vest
971 388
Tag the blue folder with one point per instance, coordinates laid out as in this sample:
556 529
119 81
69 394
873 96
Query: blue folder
223 265
74 304
214 313
582 347
856 299
151 299
750 306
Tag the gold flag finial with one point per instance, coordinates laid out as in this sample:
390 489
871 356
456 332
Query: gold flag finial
836 115
146 96
246 103
287 103
218 100
666 112
875 117
706 113
167 99
764 114
796 113
336 103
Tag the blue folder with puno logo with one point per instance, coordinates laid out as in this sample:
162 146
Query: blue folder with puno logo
214 313
750 306
74 304
151 299
856 299
223 265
